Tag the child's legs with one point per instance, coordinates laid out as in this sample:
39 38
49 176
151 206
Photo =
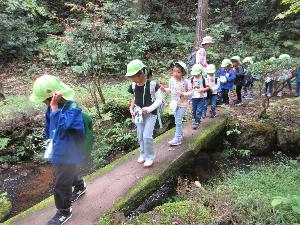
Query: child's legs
197 112
178 121
149 121
289 83
213 104
225 96
239 92
64 177
194 106
140 131
271 84
206 103
297 88
78 182
200 109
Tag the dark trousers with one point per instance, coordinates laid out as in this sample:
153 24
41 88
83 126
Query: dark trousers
66 177
225 96
239 92
198 105
269 87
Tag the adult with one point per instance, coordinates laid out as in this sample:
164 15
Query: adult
201 53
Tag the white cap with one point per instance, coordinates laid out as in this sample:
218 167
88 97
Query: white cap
206 40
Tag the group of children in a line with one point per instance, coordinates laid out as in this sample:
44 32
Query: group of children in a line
65 125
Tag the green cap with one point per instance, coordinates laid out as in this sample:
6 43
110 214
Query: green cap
211 68
134 67
183 65
236 58
284 57
197 70
45 86
272 59
248 60
226 62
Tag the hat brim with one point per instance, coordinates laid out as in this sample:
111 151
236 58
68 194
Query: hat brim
203 43
196 73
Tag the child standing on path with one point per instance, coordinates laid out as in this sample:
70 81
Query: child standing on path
248 80
146 99
227 75
199 94
239 81
178 87
65 132
212 94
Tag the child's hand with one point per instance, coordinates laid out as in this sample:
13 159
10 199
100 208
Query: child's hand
145 110
55 100
180 93
200 90
162 88
132 113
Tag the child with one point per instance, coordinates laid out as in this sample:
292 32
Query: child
213 84
227 74
146 99
297 83
65 131
283 74
199 94
248 80
178 87
269 80
239 81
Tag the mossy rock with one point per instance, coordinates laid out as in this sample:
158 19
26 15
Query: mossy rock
182 212
256 136
289 141
5 206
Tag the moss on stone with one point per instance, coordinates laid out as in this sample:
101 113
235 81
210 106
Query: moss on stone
187 212
6 206
34 208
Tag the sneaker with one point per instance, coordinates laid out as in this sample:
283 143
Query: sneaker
148 163
61 217
141 159
296 95
195 126
248 97
203 115
239 104
78 192
175 142
213 115
269 95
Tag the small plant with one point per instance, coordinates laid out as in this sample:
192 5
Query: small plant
6 206
3 143
292 201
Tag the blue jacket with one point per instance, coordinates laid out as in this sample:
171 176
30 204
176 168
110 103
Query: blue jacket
230 75
69 134
298 76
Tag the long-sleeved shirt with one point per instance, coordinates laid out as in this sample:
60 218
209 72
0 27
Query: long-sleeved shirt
201 57
176 87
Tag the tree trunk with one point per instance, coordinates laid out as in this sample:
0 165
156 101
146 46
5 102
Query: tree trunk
202 17
2 97
139 5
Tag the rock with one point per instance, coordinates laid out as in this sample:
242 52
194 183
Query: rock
289 141
256 136
4 166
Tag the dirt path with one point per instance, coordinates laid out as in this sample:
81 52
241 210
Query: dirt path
105 190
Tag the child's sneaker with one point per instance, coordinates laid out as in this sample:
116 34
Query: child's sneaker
248 97
213 115
195 126
78 192
175 142
148 163
141 160
61 217
204 115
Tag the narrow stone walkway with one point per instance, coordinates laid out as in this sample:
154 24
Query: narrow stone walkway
106 189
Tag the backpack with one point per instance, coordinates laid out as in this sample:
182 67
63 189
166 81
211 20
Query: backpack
160 110
88 142
191 59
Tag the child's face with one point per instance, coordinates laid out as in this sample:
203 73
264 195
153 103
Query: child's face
235 63
138 78
177 73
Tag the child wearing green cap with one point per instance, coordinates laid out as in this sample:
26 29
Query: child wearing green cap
65 132
178 87
145 101
226 75
239 81
212 93
199 93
